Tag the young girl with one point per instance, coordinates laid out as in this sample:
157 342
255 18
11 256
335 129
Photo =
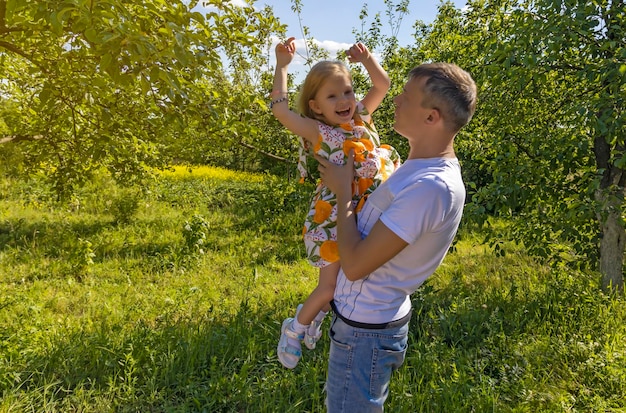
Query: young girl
332 124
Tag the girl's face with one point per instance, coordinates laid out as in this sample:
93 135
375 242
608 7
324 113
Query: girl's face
334 102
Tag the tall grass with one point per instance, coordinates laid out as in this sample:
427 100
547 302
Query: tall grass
173 303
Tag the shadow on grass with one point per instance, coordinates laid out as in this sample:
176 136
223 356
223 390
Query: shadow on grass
59 240
18 233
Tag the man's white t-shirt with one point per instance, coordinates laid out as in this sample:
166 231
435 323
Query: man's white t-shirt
422 203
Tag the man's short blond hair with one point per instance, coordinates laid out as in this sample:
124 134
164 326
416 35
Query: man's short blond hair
449 89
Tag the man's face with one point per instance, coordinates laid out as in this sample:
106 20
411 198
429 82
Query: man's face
410 114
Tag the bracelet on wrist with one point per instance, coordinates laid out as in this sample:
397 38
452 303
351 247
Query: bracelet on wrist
273 102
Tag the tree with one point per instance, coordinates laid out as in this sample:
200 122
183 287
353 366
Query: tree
548 136
111 83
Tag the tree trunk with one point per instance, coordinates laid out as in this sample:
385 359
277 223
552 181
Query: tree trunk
610 197
612 242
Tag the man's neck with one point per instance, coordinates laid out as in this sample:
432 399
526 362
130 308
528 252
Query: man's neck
424 152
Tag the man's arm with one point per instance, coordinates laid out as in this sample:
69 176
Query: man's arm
358 257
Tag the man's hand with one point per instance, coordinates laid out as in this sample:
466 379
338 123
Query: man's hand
338 178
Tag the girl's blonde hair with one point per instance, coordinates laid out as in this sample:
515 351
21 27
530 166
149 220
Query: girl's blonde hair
314 81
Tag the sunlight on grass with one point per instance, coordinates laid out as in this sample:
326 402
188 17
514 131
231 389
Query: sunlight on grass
211 172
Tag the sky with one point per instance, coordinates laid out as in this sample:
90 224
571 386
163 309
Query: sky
331 22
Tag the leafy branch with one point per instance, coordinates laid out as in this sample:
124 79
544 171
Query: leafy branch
265 153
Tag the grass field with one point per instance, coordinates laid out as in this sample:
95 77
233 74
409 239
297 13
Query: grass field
171 300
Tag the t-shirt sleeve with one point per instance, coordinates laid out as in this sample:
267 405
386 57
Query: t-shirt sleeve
417 209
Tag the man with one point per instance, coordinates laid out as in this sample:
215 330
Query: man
399 239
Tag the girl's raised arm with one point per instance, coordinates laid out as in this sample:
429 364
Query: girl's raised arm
301 126
380 80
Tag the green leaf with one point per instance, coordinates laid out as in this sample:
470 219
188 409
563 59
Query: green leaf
92 36
105 62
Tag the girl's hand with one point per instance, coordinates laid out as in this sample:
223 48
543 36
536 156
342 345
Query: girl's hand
358 53
285 52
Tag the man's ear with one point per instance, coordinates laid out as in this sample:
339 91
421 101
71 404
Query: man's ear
314 106
434 116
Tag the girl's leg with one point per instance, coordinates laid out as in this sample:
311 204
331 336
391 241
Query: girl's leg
296 329
319 299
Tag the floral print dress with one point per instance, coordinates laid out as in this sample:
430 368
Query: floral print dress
373 164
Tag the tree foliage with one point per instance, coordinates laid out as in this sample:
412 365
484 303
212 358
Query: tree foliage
546 147
110 83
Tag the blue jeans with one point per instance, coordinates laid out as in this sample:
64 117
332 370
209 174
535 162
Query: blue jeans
360 364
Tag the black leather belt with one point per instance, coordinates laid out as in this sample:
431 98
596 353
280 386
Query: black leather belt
381 326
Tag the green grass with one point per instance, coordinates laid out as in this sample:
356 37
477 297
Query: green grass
173 303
